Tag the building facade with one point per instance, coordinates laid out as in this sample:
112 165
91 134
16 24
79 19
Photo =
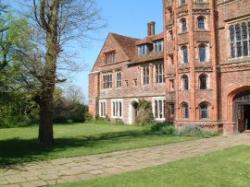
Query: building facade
127 70
206 60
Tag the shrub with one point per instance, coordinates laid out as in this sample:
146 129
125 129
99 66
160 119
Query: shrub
194 130
169 130
163 128
145 114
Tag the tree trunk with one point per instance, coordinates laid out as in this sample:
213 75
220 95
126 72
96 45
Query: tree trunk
46 137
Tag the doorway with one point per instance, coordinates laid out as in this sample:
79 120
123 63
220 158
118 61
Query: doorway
247 117
133 110
243 117
242 104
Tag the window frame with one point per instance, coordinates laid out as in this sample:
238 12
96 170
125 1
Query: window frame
107 80
159 108
159 73
143 50
117 108
203 85
110 57
146 74
158 46
183 25
185 110
239 39
184 55
118 81
185 82
203 54
102 108
204 109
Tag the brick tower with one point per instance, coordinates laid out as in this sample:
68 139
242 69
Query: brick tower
190 62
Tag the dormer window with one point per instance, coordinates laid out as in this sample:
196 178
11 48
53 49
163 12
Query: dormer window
143 50
158 46
110 57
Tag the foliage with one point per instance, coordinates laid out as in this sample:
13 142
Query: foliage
194 130
163 128
145 114
68 109
17 107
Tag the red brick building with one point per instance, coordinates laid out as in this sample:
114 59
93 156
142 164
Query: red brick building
206 60
128 69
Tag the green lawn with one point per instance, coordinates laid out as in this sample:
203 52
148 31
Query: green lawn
228 168
18 145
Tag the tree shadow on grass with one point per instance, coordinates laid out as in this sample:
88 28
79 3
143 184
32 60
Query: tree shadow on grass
18 151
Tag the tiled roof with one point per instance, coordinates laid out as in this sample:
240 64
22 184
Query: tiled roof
128 44
150 39
152 56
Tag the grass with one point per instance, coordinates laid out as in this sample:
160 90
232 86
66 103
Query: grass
19 145
227 168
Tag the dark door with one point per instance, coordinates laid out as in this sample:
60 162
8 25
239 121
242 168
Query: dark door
247 116
241 118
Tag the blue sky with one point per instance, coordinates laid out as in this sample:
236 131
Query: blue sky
126 17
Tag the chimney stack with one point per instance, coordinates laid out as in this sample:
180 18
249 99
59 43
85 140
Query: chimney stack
151 28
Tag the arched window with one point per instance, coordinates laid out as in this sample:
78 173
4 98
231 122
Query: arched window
202 53
185 110
184 53
183 23
244 37
201 22
204 111
232 41
203 82
185 82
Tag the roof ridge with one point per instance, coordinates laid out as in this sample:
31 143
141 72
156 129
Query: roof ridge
120 35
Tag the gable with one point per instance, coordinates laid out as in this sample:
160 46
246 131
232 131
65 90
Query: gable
111 44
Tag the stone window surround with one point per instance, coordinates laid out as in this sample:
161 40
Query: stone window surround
208 106
207 52
185 110
184 82
102 102
160 108
118 81
247 21
145 76
108 84
161 74
118 113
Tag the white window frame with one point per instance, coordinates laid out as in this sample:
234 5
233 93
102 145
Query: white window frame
142 50
158 46
163 100
247 21
109 86
146 76
118 81
159 74
100 108
117 115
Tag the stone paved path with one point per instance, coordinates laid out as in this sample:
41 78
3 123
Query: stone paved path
89 167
